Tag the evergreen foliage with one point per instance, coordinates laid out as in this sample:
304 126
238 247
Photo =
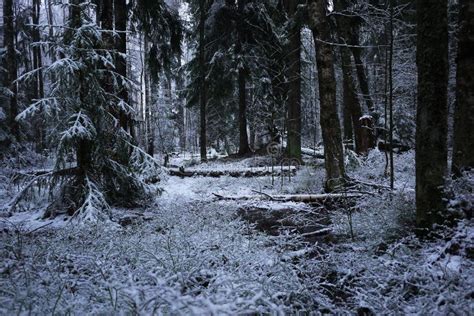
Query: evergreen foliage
88 134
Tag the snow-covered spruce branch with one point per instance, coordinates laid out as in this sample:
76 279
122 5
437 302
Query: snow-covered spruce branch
94 208
45 105
81 128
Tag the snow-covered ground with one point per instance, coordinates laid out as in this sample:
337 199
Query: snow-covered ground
192 254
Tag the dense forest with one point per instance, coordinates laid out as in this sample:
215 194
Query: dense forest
207 157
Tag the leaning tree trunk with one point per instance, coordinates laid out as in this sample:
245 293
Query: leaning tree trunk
294 87
202 79
431 120
10 64
347 29
361 75
244 147
463 151
349 24
330 126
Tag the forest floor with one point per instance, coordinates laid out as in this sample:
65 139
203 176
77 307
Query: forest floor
191 253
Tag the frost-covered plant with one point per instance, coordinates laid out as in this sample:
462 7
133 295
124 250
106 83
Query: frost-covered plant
106 167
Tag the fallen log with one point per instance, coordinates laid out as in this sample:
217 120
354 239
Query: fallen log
313 153
245 173
304 198
396 147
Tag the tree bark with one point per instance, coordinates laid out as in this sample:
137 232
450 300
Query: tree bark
202 79
330 126
431 121
294 78
10 64
463 147
244 147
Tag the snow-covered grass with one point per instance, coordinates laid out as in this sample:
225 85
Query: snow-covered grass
190 254
188 259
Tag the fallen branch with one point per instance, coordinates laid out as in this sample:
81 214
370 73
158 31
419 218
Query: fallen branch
36 176
374 185
12 204
304 198
318 232
57 173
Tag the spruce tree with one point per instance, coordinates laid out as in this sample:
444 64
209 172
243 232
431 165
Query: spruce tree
84 100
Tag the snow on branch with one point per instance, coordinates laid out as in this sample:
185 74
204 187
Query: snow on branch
82 128
45 104
95 208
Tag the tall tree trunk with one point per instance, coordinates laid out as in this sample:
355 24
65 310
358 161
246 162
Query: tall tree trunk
431 120
179 80
38 92
390 97
10 64
114 18
463 151
202 79
83 150
330 126
244 147
351 102
149 122
120 23
294 77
